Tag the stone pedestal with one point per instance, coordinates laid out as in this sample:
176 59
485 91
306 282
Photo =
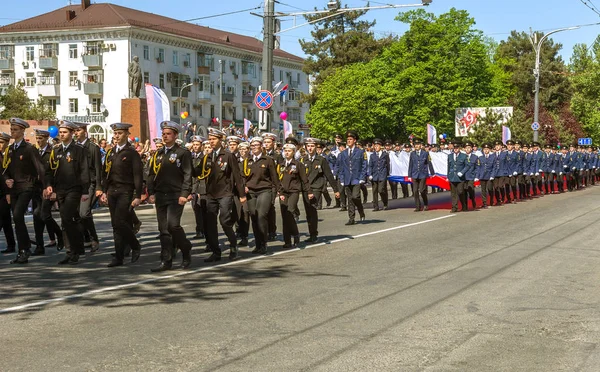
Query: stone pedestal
135 111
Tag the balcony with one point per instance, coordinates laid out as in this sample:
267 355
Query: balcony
228 97
7 80
176 91
248 96
48 85
92 60
203 70
294 84
292 104
204 95
7 64
48 59
93 82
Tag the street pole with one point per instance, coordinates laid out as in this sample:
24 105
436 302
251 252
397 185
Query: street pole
537 46
267 57
181 100
222 87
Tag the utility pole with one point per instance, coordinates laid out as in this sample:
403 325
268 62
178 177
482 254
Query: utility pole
221 89
268 46
537 47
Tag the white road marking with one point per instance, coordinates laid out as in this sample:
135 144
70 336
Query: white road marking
183 273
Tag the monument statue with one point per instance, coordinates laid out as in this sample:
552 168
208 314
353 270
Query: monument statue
135 78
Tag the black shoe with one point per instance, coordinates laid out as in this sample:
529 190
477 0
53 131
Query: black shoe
95 246
136 227
207 249
65 260
243 242
343 209
376 209
350 222
8 250
362 218
296 241
287 245
417 209
135 255
233 254
164 266
60 246
74 259
272 236
263 250
256 250
187 260
51 244
115 263
39 252
213 258
312 239
386 208
198 235
22 258
426 208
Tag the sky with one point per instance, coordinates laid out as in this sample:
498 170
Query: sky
496 18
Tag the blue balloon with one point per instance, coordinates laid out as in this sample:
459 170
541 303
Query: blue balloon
137 139
445 135
53 130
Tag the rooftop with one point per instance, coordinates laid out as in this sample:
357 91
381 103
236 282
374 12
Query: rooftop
111 15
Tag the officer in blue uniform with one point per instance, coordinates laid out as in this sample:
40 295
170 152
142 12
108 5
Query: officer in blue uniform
512 165
457 167
547 167
536 169
572 163
470 175
501 172
593 156
527 160
559 169
379 170
419 169
352 167
485 173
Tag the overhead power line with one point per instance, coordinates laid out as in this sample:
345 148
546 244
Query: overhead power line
591 6
208 17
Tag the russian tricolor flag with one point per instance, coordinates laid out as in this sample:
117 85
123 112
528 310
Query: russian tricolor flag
506 134
159 109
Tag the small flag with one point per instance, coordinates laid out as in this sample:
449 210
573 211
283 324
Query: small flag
246 126
431 134
283 90
288 130
506 134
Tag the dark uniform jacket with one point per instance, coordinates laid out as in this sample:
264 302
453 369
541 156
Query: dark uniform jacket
123 171
45 156
456 166
379 166
260 174
171 173
72 170
224 175
486 167
94 157
25 167
319 172
293 177
198 185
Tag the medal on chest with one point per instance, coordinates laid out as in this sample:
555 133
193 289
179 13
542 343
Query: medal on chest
68 157
173 158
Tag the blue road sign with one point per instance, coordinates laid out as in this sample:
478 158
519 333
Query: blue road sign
535 126
263 100
584 141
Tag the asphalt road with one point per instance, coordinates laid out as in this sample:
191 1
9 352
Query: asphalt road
512 288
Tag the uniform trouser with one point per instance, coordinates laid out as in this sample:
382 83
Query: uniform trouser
365 191
312 215
6 223
168 215
405 193
272 215
549 183
221 208
324 194
87 220
288 209
394 189
354 201
536 182
343 195
19 202
521 184
69 203
242 217
511 185
560 180
379 188
121 219
457 191
499 183
197 206
470 193
486 187
259 204
134 218
419 188
42 217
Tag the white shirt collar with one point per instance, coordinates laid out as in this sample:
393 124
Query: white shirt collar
83 142
67 145
17 144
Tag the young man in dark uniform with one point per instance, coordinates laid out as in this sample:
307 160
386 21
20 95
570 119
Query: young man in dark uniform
198 188
319 173
379 170
5 217
42 207
94 158
351 167
269 145
222 178
122 179
169 185
68 177
23 168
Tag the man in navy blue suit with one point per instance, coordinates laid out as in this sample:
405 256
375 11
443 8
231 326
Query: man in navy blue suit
379 169
486 174
352 167
457 167
419 169
471 174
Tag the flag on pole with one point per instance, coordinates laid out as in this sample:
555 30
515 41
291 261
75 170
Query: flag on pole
159 109
506 134
246 126
283 90
431 134
288 130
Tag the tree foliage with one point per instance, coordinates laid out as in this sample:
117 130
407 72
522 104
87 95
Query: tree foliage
16 103
585 77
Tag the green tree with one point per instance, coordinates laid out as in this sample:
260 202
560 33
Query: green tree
338 41
41 111
585 77
16 103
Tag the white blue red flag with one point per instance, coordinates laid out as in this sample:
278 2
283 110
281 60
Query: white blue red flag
159 109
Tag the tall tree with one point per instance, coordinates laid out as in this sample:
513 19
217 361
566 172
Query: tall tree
585 77
338 40
16 103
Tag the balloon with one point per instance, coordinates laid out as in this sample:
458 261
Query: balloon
445 135
283 115
53 130
441 136
184 115
137 139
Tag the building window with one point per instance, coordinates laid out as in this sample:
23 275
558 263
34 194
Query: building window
212 87
93 48
73 106
146 52
73 51
281 75
161 81
212 111
175 58
48 78
97 132
234 113
204 84
29 53
160 55
298 79
73 77
96 103
51 105
6 51
187 60
30 80
146 77
200 107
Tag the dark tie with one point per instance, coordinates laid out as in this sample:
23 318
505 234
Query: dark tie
350 153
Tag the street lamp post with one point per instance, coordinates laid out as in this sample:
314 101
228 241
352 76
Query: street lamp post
537 46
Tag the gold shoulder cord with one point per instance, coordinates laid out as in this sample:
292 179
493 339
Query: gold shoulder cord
6 160
279 173
108 163
305 167
246 169
155 166
205 172
53 163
